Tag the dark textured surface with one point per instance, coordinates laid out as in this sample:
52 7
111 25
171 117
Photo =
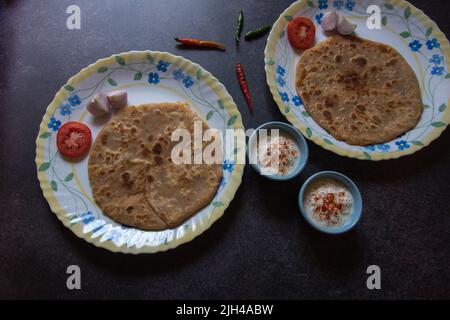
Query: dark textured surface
261 248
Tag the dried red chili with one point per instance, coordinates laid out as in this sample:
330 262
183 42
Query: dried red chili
201 43
244 87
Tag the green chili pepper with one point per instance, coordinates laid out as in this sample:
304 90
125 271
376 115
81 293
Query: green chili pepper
239 24
257 32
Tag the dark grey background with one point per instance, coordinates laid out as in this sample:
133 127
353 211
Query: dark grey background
261 247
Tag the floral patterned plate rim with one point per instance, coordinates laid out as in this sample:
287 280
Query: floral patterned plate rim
148 76
404 27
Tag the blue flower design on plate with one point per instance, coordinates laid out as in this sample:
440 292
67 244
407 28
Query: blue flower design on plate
415 45
97 229
65 109
87 217
74 100
284 97
178 74
436 59
228 165
370 148
281 71
338 4
402 145
163 65
281 81
153 78
433 43
297 101
188 82
349 5
319 17
54 124
323 4
384 147
437 71
114 235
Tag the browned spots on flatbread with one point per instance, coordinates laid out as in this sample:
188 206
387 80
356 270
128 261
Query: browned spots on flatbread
104 139
359 61
158 160
156 148
327 115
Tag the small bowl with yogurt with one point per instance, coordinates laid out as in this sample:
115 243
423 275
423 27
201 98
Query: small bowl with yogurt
330 202
277 151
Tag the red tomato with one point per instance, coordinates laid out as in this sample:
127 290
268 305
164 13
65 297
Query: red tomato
73 139
301 33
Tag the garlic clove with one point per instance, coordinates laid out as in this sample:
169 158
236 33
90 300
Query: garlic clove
330 20
118 99
99 106
344 26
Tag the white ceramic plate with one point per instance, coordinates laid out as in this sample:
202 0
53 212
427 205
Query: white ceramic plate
148 77
404 27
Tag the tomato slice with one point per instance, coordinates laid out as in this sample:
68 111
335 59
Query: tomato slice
301 33
73 139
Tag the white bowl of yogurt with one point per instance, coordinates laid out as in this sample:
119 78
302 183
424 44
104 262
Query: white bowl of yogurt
330 202
277 151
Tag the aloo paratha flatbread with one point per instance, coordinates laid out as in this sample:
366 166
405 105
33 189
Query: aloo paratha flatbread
134 180
362 92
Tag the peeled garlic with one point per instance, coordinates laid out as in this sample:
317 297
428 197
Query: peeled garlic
344 26
329 21
99 106
118 99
